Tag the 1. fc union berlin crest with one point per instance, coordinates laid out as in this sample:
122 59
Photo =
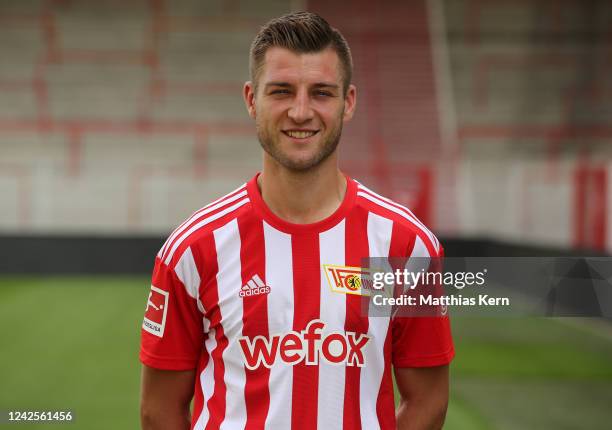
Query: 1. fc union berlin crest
349 280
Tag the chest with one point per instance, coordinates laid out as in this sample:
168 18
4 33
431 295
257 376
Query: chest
278 297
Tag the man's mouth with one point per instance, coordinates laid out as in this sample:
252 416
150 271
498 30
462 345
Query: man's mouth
300 134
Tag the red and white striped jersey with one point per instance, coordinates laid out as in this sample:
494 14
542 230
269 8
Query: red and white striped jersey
242 296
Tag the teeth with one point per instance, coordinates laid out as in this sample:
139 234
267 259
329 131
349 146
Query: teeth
301 134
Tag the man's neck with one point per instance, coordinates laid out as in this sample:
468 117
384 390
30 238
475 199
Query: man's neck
302 197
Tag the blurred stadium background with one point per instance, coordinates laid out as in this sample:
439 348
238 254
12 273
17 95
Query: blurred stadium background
491 119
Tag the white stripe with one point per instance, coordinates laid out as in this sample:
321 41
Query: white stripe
379 242
201 224
229 280
207 381
442 73
252 284
189 220
187 272
258 280
200 213
394 203
411 217
330 413
420 250
279 277
419 259
195 214
409 213
408 216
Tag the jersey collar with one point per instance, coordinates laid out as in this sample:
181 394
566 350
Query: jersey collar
288 227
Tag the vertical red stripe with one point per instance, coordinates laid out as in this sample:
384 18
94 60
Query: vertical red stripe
209 296
590 207
600 208
424 205
254 318
306 286
356 251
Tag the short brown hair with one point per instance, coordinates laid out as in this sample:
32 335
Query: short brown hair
300 32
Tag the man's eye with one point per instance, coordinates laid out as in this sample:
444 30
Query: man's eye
279 92
323 93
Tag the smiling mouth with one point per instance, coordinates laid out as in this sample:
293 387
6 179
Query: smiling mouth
301 134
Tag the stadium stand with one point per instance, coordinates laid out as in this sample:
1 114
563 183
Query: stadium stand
489 119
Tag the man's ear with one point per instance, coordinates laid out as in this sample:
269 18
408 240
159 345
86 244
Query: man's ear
249 98
350 102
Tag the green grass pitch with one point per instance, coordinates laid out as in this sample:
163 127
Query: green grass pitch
72 343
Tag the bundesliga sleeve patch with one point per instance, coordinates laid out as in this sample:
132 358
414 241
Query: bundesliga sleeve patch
155 314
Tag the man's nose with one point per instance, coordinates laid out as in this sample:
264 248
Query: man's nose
300 110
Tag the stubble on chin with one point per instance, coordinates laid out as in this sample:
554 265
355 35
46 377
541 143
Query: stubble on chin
271 145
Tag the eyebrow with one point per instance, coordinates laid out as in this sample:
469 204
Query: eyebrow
288 85
326 85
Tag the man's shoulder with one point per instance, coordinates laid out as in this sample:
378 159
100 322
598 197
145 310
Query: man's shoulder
402 217
206 219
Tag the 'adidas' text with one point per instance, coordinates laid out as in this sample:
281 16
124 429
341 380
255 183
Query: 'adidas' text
254 287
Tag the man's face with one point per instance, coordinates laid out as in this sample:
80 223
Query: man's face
299 106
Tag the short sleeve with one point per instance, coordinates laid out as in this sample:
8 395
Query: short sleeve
172 329
422 341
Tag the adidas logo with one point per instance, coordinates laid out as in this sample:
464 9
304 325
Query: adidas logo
254 287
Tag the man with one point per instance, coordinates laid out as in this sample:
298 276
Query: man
249 325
